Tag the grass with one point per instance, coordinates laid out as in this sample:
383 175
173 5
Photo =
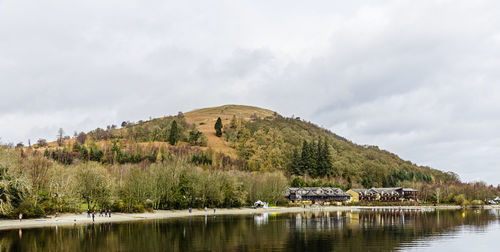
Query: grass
207 117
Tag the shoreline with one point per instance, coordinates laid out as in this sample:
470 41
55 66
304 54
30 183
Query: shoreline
79 219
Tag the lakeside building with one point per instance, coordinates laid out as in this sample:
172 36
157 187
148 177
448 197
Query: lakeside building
316 194
390 194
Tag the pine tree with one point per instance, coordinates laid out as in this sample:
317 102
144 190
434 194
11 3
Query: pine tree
326 159
174 133
313 158
218 127
295 166
306 159
320 162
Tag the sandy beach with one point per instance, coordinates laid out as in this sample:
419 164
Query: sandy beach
78 219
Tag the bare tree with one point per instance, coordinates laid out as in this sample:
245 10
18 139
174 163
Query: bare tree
41 142
60 136
81 138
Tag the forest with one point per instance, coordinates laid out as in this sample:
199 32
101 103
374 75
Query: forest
226 156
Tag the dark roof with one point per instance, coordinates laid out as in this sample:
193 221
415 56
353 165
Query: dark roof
383 191
316 191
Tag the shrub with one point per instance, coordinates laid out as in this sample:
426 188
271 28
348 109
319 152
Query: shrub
477 202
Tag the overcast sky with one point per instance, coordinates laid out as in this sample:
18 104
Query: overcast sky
418 78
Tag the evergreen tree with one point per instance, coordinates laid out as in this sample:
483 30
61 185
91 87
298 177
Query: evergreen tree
320 162
295 165
313 158
194 136
307 159
173 137
326 159
218 127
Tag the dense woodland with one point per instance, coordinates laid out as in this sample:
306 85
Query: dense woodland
167 163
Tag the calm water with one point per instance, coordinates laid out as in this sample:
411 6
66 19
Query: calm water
447 230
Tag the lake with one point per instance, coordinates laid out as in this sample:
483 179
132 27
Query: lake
355 230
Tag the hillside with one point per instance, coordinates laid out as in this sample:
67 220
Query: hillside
254 139
204 119
177 162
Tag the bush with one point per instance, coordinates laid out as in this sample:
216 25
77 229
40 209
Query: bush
29 210
298 182
459 199
477 202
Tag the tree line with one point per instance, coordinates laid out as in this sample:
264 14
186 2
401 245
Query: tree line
35 185
313 158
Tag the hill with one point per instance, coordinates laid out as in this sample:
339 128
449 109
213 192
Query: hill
177 162
254 139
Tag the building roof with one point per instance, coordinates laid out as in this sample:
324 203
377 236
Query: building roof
383 190
316 191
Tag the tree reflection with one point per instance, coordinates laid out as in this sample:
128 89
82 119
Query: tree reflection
320 231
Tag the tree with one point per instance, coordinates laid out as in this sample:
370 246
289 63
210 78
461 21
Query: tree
60 136
41 142
234 123
81 137
295 165
326 160
218 127
320 162
173 137
305 157
194 136
298 182
13 190
93 184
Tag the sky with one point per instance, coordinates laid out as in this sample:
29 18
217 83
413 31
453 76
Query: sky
417 78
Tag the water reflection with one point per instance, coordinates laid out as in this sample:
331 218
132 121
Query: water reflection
311 231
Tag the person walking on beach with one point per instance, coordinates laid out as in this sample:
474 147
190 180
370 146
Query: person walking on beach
214 210
20 217
93 216
100 212
106 213
88 213
109 213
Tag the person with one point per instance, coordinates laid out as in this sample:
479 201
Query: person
57 216
109 213
93 216
106 213
20 217
214 210
190 210
100 212
88 213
